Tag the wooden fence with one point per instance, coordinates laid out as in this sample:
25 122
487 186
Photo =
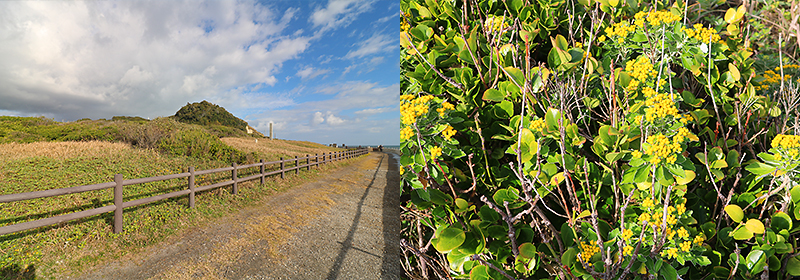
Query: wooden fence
119 183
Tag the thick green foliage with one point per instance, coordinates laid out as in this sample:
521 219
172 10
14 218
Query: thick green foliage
206 113
620 140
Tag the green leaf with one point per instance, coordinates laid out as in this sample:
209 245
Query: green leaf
755 261
516 75
493 95
720 163
669 272
456 260
690 175
793 266
734 72
510 195
754 226
567 235
742 234
527 250
759 169
780 221
735 212
439 198
795 194
461 203
569 257
448 239
480 272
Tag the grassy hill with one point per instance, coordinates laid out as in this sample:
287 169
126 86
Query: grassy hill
213 117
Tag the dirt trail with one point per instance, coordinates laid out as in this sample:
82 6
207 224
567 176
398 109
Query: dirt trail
344 226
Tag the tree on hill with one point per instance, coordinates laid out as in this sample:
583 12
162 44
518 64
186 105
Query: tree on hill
206 113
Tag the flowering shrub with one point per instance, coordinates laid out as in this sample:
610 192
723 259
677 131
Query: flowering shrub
617 141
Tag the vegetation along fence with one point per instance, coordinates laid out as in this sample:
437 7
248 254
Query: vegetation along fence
119 183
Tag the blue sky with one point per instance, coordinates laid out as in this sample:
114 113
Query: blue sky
321 71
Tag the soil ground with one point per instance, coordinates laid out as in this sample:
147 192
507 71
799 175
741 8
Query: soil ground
344 226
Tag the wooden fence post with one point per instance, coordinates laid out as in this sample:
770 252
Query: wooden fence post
283 171
262 171
296 165
118 203
235 180
316 160
308 162
191 186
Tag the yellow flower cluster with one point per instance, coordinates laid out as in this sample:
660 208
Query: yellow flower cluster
627 250
683 132
770 78
699 240
448 132
640 70
445 106
411 107
789 144
647 203
494 23
620 30
589 249
627 234
662 149
406 133
701 33
655 18
659 105
537 125
670 252
436 152
404 26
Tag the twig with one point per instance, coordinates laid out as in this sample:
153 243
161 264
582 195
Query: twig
509 222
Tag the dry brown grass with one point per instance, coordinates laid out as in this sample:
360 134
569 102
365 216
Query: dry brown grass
274 149
61 150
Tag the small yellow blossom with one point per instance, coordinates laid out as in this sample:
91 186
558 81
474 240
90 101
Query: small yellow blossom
627 234
627 250
644 217
436 152
406 133
683 233
686 246
448 132
699 240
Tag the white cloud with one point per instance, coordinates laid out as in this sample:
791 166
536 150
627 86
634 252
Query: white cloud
137 58
334 120
339 13
373 111
378 43
309 72
317 118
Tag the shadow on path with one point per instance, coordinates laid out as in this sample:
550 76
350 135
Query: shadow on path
348 242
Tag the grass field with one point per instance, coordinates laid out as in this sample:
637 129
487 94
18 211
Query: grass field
52 252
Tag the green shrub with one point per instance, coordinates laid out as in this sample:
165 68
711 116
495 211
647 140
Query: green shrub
621 141
206 113
198 143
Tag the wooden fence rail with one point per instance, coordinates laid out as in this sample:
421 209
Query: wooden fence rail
119 183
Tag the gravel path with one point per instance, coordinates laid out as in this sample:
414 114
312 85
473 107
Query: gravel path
344 226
